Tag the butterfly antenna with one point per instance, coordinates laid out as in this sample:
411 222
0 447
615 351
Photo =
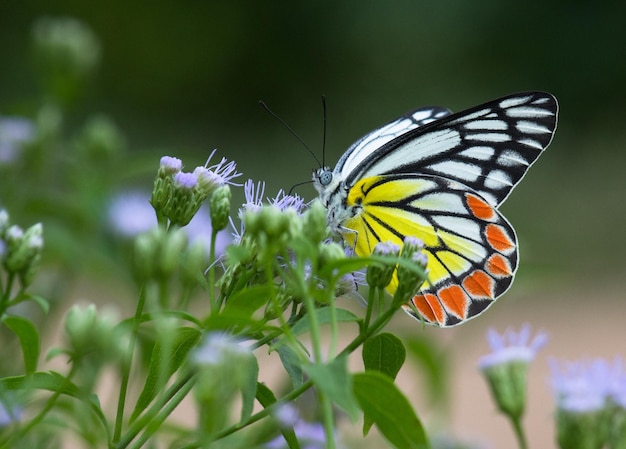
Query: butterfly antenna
266 107
293 187
324 132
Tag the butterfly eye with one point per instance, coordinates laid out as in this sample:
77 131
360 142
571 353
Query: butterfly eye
326 177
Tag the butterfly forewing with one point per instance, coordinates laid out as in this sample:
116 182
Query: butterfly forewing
374 140
488 148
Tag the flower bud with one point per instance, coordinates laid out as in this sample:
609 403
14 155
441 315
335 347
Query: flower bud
101 138
92 333
219 206
172 246
379 275
314 222
193 264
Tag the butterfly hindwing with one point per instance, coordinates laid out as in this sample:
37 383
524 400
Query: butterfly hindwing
488 148
471 248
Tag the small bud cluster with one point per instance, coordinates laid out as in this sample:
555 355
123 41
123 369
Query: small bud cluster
20 250
177 195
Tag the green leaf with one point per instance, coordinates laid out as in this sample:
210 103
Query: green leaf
246 302
385 353
334 380
26 332
292 364
250 374
180 342
266 397
386 406
52 381
323 317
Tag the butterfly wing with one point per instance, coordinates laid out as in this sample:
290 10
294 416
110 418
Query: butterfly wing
488 148
471 248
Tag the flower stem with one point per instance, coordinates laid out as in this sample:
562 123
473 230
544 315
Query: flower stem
126 365
519 433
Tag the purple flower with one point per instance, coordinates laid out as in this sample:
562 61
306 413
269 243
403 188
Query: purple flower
254 197
14 133
130 213
512 347
171 164
221 173
283 201
310 435
585 386
186 180
386 248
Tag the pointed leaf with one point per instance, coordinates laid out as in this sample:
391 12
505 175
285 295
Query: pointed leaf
335 381
292 364
28 336
52 381
323 317
183 340
386 406
266 397
250 374
385 353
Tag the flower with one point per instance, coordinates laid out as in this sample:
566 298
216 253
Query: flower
169 165
506 367
379 276
581 386
14 133
310 436
512 347
130 213
185 180
218 174
217 349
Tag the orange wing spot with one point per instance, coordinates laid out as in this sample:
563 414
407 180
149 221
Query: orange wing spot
499 266
498 238
479 207
479 285
429 307
455 300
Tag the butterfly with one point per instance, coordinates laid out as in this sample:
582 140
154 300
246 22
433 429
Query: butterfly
441 177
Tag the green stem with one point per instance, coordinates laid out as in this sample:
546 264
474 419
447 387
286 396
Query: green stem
519 433
154 424
126 365
212 300
174 393
370 305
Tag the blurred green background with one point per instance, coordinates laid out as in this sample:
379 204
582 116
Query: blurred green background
182 78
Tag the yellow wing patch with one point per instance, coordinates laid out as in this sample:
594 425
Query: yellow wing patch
471 248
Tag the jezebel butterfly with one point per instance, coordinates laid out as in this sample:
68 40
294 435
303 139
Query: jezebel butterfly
441 177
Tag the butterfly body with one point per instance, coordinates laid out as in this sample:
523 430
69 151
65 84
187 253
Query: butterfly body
441 177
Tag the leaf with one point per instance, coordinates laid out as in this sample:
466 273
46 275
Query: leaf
384 353
26 332
266 397
334 380
323 317
292 364
389 409
183 340
250 374
52 381
245 302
